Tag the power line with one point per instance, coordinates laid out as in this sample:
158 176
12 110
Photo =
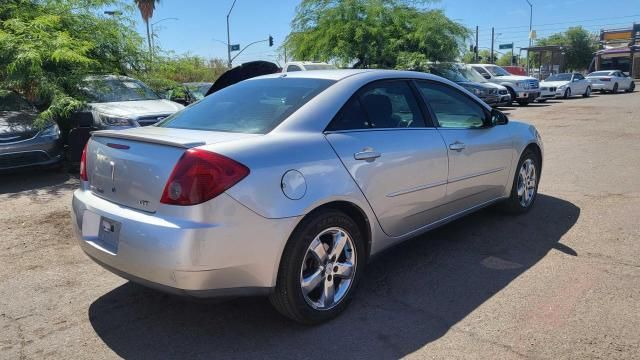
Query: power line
570 22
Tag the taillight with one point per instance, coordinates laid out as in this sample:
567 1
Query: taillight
83 164
605 79
200 176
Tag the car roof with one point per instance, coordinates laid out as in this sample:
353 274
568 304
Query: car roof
107 77
341 74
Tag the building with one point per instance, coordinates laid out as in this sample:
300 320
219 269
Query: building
620 50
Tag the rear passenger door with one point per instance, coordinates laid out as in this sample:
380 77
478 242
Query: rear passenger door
479 154
394 154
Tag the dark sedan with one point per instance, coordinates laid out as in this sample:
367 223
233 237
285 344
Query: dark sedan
22 144
486 93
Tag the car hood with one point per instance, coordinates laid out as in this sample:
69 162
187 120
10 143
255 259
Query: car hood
137 108
495 86
474 85
16 122
514 78
554 83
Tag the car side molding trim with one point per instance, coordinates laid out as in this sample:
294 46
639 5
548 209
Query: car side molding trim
417 188
487 172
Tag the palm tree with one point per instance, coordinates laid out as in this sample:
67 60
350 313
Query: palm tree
146 10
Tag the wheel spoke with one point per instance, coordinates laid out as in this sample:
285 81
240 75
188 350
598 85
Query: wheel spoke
328 293
343 270
317 247
521 189
339 241
312 281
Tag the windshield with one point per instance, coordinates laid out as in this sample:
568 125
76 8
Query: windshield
10 101
253 106
497 71
600 73
449 72
559 77
319 67
470 74
199 90
113 90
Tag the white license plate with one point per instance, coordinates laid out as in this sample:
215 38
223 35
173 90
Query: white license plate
109 234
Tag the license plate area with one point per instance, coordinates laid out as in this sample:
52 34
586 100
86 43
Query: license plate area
109 234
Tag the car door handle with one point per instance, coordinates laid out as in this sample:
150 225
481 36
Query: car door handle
366 155
457 146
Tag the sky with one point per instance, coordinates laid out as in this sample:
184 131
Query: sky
200 27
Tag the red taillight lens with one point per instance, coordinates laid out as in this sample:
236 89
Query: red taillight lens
201 175
83 164
605 79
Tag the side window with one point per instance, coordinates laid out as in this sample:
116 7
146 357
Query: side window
578 77
382 105
482 72
452 108
293 68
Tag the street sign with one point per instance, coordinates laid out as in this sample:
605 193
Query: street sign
234 47
505 46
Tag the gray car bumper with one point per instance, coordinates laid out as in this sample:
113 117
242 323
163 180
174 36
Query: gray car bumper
29 153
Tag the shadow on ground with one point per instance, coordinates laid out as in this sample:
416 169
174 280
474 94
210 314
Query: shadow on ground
410 296
33 182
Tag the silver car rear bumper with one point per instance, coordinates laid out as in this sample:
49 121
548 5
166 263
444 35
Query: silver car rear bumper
235 252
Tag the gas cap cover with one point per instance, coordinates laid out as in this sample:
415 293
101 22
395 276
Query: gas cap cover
293 185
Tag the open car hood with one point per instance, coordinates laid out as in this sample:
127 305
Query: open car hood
243 72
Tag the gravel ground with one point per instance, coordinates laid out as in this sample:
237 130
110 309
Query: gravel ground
562 282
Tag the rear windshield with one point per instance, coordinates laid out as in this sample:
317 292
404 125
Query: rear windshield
253 106
600 73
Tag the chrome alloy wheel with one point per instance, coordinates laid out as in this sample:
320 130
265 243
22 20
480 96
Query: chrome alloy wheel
527 183
328 268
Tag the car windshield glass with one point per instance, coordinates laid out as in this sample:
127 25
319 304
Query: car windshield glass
112 90
559 77
470 74
252 106
199 90
319 67
10 101
448 72
497 71
600 73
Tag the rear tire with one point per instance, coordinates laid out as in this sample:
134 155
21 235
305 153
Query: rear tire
632 87
524 189
615 88
310 268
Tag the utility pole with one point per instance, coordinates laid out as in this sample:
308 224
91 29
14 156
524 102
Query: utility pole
476 48
228 36
512 62
530 30
491 61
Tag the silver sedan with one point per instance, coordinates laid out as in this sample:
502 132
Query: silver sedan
286 185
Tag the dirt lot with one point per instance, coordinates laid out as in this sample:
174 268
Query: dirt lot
560 282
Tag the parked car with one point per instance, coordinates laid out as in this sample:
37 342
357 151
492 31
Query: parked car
611 80
21 143
488 94
306 66
504 98
188 93
210 201
516 70
119 102
523 89
242 72
564 85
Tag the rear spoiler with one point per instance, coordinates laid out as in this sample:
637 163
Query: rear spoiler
155 139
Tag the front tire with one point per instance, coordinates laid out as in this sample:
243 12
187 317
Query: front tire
567 93
320 268
587 92
615 88
525 184
632 87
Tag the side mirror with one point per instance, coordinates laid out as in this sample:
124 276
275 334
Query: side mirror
498 118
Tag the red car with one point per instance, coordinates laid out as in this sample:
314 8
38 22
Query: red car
515 70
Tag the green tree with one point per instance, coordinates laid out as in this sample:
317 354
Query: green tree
146 8
373 33
580 46
504 59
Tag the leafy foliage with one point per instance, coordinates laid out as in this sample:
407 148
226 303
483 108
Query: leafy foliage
373 33
580 46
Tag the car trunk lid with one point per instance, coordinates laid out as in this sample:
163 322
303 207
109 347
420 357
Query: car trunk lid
131 167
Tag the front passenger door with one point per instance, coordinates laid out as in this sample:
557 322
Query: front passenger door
480 155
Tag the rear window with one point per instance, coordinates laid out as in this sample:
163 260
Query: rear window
600 73
253 106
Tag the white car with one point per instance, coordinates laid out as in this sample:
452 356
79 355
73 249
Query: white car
306 66
523 89
564 85
611 80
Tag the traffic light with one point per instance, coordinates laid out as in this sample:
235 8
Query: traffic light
270 40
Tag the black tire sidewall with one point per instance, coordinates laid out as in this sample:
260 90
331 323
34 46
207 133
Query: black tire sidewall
513 203
288 283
